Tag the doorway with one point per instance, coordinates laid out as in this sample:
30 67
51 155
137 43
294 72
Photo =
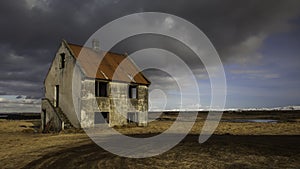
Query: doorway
132 117
56 96
44 116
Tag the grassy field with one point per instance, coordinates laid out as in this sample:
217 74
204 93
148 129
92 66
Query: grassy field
233 145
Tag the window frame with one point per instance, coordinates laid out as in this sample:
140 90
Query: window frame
130 91
62 63
99 91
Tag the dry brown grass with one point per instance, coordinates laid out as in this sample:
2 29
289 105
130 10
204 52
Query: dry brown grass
233 128
20 144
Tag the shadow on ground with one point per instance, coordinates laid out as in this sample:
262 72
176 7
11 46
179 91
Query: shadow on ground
220 151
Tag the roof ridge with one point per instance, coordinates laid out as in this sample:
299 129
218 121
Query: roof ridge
111 52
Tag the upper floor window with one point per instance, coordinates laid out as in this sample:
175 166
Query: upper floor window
133 92
100 89
62 60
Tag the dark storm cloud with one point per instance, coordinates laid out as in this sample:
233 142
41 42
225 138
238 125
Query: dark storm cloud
3 93
31 30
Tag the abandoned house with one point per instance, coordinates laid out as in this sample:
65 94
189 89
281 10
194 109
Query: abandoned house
126 89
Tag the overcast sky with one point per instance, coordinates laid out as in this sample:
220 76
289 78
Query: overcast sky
258 42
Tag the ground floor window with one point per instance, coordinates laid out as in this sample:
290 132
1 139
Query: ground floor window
101 117
132 117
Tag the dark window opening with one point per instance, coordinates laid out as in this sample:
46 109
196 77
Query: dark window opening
62 60
101 117
133 94
132 117
100 89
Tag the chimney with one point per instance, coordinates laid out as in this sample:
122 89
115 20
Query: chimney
96 45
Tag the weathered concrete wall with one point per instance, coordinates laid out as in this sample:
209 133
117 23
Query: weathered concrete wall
143 105
88 104
63 78
118 104
76 89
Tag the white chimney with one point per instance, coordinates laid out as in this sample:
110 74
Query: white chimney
96 45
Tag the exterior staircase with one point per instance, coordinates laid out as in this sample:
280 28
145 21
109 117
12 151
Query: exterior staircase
63 118
56 112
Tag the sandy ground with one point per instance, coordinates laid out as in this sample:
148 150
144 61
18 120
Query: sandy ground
233 145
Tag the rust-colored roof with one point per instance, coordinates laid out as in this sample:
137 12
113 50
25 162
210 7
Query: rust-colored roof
113 67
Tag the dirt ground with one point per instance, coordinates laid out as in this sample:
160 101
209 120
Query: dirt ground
233 145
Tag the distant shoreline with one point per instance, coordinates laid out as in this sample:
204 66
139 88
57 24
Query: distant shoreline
37 115
20 115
